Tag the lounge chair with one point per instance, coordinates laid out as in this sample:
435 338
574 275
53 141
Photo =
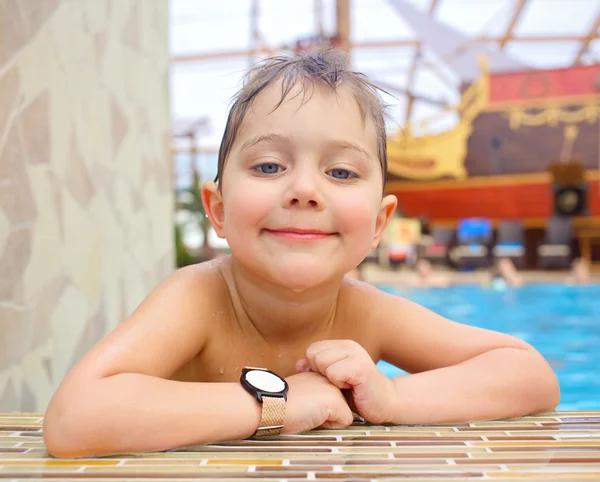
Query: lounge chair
474 238
555 251
510 243
436 251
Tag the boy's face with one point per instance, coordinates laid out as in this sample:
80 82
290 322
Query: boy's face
301 189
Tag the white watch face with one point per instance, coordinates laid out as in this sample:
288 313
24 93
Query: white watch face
265 381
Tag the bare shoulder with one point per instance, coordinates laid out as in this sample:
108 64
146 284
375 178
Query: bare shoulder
165 331
415 338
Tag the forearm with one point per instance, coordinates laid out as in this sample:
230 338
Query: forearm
141 413
501 383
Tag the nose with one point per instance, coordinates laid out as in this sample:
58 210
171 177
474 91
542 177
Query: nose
303 191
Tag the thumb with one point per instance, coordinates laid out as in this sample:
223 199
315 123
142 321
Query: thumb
302 365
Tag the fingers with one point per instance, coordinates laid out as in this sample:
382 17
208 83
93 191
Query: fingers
302 366
344 362
342 373
323 359
340 419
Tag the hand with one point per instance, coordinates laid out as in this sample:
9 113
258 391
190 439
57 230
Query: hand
347 365
314 402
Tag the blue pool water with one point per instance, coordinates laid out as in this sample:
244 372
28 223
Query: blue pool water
561 322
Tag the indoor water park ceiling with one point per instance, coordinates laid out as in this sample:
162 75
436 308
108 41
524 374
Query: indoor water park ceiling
420 51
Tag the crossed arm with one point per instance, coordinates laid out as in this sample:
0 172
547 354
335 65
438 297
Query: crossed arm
457 372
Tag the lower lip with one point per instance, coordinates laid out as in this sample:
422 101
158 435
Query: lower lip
299 236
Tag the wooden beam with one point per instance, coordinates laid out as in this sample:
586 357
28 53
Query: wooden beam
413 70
592 34
342 16
374 44
519 6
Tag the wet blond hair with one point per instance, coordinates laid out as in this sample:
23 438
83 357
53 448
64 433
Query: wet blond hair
327 67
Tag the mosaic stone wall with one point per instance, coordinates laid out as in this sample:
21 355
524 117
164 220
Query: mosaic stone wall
85 180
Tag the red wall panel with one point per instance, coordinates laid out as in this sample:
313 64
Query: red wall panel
504 201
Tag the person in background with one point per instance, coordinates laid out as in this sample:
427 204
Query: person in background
428 278
580 272
507 271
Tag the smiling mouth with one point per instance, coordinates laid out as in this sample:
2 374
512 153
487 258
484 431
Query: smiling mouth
299 234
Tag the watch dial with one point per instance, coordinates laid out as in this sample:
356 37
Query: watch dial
265 381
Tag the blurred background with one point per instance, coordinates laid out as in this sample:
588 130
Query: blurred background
111 115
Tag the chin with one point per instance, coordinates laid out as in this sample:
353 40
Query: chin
303 275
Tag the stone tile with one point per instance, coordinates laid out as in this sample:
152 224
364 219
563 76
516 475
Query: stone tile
15 336
9 87
8 400
28 398
13 34
67 324
16 197
34 121
96 15
56 188
45 304
37 13
120 125
45 264
5 228
77 180
132 30
95 329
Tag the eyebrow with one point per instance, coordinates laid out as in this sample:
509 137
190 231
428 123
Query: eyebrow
278 138
348 145
275 138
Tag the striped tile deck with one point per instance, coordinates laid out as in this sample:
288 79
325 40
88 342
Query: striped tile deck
554 446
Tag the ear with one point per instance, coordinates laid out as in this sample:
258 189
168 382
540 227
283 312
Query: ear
388 207
212 199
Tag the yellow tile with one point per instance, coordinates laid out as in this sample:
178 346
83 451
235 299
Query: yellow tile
148 462
32 445
19 456
166 469
11 469
21 415
293 455
541 443
19 422
238 461
245 462
17 439
62 463
24 417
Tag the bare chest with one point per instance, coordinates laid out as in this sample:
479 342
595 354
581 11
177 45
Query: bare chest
227 353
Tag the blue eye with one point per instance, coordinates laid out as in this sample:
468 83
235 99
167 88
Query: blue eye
342 174
268 168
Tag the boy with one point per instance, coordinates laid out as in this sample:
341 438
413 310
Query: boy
299 199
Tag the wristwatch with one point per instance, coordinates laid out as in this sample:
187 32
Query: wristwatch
271 391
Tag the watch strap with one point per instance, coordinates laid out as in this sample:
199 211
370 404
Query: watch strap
273 414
